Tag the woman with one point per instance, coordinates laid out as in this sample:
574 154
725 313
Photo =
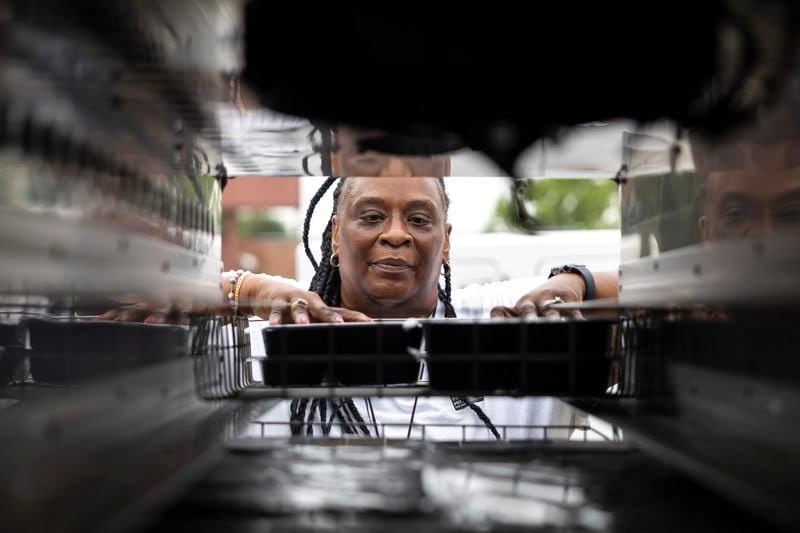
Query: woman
386 243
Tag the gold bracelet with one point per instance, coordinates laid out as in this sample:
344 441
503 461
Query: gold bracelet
237 290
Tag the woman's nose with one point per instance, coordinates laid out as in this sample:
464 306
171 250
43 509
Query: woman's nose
395 232
395 166
760 226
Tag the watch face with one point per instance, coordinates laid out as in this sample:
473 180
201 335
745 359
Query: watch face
571 269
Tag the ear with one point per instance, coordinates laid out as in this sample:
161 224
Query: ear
705 231
446 248
335 235
335 167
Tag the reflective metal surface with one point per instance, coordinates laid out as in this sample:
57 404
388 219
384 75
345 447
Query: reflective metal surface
365 485
111 176
722 221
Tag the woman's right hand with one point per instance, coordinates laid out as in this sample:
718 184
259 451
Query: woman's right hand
281 303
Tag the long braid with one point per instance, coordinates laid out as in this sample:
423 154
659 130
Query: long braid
483 416
444 294
326 428
326 281
314 404
323 413
347 422
298 411
312 205
359 419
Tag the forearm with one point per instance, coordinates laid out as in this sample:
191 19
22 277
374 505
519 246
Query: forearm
607 284
252 287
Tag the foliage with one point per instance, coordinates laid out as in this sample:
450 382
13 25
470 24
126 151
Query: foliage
254 224
563 204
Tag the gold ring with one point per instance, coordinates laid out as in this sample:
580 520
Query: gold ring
298 301
553 300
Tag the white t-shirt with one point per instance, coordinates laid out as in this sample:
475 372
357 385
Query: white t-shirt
474 301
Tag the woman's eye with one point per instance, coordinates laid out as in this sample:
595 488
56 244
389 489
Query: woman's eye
788 215
419 221
371 218
734 214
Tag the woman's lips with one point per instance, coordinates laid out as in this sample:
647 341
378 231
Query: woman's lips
392 266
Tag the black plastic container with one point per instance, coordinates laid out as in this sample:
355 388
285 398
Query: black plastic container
345 354
64 352
565 358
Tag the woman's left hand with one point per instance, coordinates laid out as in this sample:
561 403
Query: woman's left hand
563 288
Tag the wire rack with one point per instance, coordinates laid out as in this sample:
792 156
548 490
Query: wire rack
422 432
221 349
51 344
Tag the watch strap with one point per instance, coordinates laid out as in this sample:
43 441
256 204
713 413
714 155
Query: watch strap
590 293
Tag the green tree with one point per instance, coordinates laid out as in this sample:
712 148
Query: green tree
563 204
252 224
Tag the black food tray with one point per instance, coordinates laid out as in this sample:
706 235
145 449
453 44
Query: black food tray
342 354
564 358
63 352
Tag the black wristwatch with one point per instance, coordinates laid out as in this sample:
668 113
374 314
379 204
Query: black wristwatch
591 289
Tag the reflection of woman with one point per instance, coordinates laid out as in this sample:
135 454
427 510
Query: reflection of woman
387 242
750 180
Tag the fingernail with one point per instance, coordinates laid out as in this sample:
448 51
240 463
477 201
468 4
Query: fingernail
273 322
338 319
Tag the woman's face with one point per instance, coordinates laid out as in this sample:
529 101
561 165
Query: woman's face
391 236
758 192
350 160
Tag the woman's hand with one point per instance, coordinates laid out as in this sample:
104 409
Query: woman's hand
563 288
281 303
